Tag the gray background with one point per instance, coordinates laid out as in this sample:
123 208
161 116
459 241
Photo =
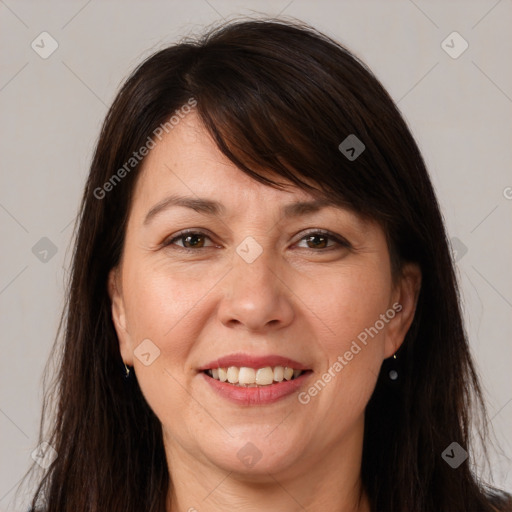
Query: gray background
460 111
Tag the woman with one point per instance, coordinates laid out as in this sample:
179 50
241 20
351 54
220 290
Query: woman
260 252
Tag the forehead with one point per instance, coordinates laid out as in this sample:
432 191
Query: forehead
188 161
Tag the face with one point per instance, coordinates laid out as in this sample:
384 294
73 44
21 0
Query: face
259 284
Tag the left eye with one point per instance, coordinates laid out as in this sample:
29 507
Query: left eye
321 239
196 240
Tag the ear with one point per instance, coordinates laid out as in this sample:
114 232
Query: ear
119 316
405 298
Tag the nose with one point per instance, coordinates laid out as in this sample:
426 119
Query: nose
256 296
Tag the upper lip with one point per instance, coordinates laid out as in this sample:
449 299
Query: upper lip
253 361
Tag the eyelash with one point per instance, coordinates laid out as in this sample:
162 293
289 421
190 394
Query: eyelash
336 238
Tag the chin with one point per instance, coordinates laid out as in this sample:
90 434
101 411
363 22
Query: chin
254 457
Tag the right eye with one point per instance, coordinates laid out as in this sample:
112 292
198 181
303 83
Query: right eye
191 240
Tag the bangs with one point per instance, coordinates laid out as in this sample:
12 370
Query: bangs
268 113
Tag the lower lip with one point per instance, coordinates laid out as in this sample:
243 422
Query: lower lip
258 395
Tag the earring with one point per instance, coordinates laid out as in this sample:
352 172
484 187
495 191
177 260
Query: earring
127 374
393 374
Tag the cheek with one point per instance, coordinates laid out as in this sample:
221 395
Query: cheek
351 332
348 303
159 304
163 307
170 307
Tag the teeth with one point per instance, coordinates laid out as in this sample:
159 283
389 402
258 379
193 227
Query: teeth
246 376
278 373
265 376
233 373
223 374
251 377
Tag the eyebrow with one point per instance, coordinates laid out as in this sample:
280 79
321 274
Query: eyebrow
214 208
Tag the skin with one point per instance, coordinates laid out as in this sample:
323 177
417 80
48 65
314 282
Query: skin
297 299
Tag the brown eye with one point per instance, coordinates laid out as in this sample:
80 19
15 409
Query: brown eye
190 240
317 241
196 240
324 240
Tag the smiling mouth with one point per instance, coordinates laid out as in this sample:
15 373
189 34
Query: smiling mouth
254 377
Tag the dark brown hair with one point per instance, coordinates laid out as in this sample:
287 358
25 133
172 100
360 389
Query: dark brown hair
277 97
